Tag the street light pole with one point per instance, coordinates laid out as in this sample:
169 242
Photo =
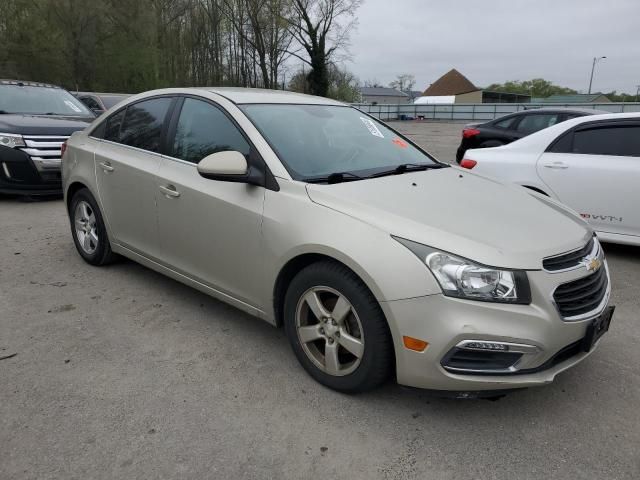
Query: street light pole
593 66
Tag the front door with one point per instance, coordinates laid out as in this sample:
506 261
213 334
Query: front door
210 230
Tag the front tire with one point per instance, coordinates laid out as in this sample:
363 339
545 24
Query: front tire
88 229
337 329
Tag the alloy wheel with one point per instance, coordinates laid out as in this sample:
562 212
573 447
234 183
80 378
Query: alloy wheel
329 331
85 226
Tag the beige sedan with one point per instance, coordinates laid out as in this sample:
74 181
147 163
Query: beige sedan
378 260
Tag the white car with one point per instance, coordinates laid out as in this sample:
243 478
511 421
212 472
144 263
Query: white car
591 164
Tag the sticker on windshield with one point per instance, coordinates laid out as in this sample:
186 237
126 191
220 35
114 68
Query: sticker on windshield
72 106
372 127
399 142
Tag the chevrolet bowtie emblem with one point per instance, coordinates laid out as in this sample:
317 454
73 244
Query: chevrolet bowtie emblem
592 264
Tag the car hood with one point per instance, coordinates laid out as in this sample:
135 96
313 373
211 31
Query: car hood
42 124
462 213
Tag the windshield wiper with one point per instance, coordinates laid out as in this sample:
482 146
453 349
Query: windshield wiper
407 167
335 177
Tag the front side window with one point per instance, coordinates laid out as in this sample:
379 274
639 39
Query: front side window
113 124
318 140
40 100
204 129
533 123
615 140
143 121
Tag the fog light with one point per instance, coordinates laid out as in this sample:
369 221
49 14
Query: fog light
486 346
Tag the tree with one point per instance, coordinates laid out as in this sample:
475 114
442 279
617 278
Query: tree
343 85
403 82
322 28
538 87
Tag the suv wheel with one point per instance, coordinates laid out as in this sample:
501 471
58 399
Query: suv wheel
337 329
88 229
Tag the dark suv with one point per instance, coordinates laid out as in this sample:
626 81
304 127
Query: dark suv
512 127
35 119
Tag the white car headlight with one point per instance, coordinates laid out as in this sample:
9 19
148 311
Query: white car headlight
11 140
462 278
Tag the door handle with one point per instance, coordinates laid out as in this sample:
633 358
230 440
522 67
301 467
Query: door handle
169 191
556 165
106 166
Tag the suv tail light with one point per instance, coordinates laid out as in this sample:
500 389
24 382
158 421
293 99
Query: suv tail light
63 148
466 163
470 132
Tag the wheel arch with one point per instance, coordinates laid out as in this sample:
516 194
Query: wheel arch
72 189
296 264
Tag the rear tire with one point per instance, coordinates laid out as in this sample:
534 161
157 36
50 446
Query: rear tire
88 229
337 329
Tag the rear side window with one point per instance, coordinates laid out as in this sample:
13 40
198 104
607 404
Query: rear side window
142 125
619 140
506 123
204 129
112 129
532 123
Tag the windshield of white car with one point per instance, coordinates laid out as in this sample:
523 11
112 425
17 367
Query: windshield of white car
36 100
317 142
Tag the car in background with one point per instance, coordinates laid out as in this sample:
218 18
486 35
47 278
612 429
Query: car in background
99 103
591 164
509 128
312 215
35 120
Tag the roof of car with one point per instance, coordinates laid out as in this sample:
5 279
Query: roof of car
587 111
123 95
261 95
26 83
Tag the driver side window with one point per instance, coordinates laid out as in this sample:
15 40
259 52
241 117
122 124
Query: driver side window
204 129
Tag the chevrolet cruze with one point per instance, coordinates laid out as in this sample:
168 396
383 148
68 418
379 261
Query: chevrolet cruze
377 259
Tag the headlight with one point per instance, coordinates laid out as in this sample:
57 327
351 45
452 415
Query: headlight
462 278
11 140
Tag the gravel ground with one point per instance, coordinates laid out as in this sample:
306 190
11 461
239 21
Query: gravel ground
123 373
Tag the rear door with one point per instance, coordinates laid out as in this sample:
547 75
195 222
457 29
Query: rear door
210 230
595 170
127 162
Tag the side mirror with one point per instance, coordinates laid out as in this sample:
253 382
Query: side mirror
228 166
97 111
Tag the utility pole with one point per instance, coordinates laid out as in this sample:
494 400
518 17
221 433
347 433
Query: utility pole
593 66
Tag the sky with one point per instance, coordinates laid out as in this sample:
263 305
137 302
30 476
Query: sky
492 41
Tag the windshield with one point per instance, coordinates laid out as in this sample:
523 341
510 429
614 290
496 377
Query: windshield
40 101
317 140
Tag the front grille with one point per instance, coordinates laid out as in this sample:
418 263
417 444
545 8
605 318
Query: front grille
44 150
568 260
583 295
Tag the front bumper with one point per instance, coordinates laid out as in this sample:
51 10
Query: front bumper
19 175
445 322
